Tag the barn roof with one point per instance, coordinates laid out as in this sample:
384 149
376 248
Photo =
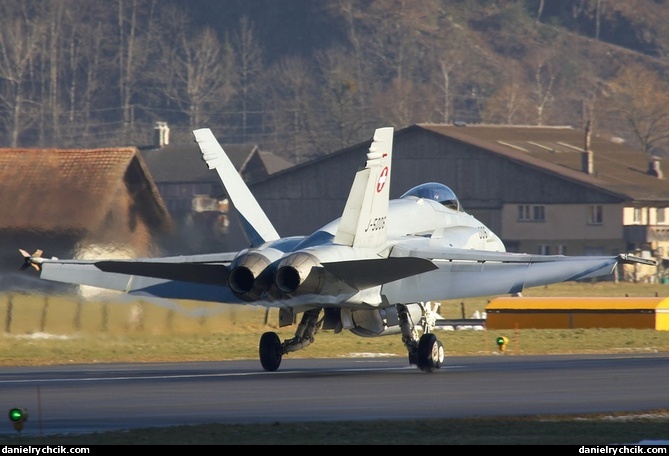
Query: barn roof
53 189
618 168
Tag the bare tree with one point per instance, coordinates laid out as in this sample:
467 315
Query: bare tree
339 102
446 91
289 108
200 76
20 40
510 104
598 15
349 10
136 38
451 51
639 101
392 44
399 44
540 10
89 71
51 89
544 75
249 67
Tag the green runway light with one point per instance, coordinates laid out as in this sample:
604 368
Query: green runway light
18 416
502 342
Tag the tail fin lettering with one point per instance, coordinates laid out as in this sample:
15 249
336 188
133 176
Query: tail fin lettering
363 222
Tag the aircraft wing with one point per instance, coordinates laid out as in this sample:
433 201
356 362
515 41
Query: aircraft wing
465 273
185 277
483 256
404 263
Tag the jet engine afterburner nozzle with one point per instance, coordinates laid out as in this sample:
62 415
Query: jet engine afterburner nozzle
241 279
299 273
248 277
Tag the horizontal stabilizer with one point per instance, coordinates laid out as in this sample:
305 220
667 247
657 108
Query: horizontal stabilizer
208 274
362 274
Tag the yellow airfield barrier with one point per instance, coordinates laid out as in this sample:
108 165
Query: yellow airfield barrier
578 312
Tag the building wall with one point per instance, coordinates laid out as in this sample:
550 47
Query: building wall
563 221
565 229
647 228
646 216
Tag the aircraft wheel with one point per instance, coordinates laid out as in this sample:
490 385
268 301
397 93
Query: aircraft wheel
270 351
413 357
430 354
438 357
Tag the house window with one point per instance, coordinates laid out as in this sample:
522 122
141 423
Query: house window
660 215
637 215
561 249
531 213
595 215
538 214
523 212
544 249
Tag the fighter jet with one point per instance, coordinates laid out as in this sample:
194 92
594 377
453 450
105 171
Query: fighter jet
375 271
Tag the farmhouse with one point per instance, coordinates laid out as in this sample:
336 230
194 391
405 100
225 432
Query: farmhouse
77 203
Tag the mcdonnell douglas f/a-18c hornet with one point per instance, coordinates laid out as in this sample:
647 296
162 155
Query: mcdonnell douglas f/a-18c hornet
374 271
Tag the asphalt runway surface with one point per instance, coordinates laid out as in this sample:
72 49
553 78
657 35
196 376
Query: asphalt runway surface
103 397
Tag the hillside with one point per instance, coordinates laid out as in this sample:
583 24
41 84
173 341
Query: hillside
304 78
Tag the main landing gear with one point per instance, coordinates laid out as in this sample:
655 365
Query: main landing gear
271 348
426 351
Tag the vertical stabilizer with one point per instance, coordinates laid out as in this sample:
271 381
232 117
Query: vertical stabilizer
258 227
363 222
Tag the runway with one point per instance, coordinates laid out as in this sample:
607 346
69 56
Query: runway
103 397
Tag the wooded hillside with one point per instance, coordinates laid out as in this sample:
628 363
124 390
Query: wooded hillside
303 77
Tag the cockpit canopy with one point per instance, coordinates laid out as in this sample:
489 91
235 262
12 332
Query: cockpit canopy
437 192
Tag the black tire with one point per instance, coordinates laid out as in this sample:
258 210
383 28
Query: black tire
270 351
430 354
413 357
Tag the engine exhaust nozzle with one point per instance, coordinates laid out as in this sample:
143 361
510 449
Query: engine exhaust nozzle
299 273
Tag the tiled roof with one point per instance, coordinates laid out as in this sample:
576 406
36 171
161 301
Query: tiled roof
618 167
60 189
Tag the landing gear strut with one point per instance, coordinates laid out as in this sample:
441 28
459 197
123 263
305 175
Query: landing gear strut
271 349
426 351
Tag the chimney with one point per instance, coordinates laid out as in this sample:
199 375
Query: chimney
587 161
654 167
161 134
